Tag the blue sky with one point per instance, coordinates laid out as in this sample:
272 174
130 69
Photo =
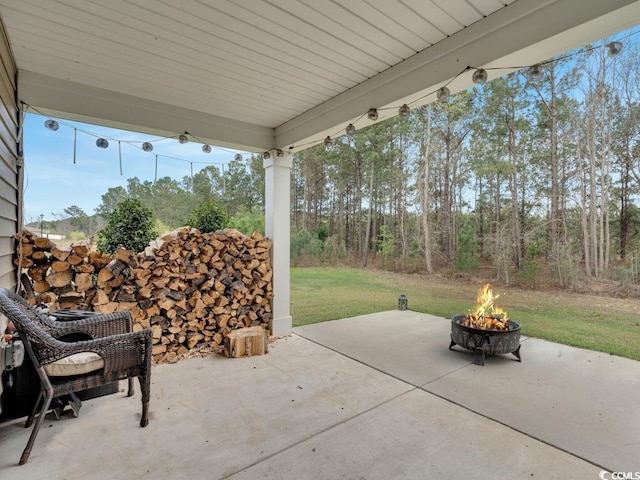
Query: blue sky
53 182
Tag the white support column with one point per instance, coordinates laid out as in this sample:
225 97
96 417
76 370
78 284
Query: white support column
278 228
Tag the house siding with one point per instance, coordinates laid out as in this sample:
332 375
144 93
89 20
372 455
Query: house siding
9 172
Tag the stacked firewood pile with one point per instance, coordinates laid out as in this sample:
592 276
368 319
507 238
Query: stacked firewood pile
191 288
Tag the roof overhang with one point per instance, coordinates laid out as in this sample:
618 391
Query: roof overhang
522 33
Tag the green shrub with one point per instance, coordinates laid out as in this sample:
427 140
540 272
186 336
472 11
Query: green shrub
247 222
129 225
304 246
76 236
208 217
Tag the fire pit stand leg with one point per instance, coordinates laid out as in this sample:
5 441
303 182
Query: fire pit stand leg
452 344
478 359
516 352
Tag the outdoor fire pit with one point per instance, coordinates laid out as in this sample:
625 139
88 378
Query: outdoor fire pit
486 330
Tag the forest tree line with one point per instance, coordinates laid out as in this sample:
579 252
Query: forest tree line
523 178
519 176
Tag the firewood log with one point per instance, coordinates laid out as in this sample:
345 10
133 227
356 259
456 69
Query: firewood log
43 243
60 252
39 257
59 279
59 266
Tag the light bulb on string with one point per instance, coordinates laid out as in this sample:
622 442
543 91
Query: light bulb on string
237 157
266 155
102 143
443 94
534 73
615 48
206 148
147 147
279 153
182 138
404 111
350 130
51 125
479 76
372 114
327 141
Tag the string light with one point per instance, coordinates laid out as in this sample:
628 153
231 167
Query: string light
479 76
279 153
237 157
51 125
443 94
350 130
102 142
533 73
615 48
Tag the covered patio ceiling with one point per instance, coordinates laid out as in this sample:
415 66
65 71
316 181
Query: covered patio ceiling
263 74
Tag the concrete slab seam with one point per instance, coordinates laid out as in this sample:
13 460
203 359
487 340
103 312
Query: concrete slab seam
422 387
320 432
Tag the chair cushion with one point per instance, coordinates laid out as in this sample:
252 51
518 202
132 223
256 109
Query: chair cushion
76 364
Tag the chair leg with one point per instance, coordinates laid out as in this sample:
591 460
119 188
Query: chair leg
130 392
144 421
36 428
32 415
75 404
145 387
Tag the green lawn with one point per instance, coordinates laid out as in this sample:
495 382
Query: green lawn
604 324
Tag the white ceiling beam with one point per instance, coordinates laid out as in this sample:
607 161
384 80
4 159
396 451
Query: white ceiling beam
526 31
79 102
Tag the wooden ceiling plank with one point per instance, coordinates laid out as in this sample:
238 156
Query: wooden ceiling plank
86 50
242 37
338 29
163 32
443 22
487 7
389 16
411 20
231 106
460 10
296 31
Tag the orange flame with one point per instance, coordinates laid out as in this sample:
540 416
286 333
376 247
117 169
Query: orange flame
487 315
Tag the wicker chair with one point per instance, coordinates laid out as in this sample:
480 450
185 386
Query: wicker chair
92 325
66 367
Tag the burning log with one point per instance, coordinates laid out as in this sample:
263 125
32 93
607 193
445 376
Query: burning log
486 329
486 314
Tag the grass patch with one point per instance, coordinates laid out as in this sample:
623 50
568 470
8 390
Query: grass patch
603 324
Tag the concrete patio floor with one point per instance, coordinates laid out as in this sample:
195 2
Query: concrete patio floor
372 397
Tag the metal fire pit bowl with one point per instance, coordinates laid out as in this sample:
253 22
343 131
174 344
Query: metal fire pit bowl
485 342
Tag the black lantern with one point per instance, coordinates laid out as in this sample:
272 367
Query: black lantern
403 302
